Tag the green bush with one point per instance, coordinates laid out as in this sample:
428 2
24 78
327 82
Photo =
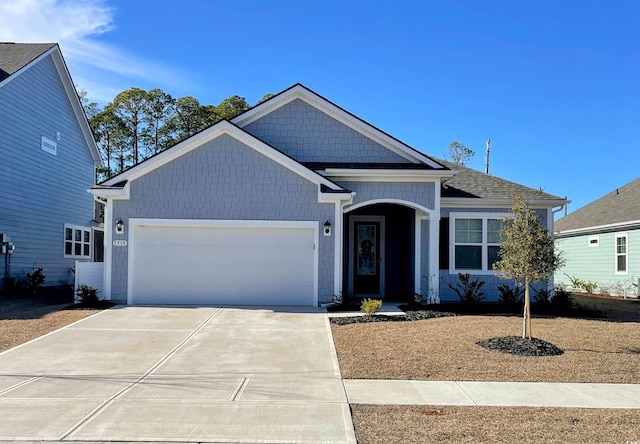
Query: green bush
370 306
510 297
87 295
562 299
588 286
542 297
468 291
35 279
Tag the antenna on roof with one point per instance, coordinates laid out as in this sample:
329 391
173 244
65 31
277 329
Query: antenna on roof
486 157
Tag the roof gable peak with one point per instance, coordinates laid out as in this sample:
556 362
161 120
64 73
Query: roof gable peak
301 92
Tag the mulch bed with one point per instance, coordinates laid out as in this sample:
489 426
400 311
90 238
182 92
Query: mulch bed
517 345
415 315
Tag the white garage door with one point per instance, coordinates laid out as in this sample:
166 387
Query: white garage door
254 264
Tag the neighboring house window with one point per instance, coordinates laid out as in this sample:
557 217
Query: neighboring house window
476 242
48 145
77 241
594 241
621 253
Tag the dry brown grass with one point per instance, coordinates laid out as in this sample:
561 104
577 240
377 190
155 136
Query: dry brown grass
445 349
24 319
414 424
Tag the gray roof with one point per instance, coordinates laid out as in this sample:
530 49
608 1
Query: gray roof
13 56
470 183
617 207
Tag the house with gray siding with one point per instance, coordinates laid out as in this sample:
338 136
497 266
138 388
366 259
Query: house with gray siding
47 162
600 242
294 202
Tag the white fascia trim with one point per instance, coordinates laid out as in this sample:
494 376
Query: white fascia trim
346 196
302 93
121 193
221 223
405 203
466 202
618 225
391 175
209 134
70 89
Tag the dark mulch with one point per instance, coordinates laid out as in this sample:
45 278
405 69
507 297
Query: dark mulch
414 315
100 305
517 345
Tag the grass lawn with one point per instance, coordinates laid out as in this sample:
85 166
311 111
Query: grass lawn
445 349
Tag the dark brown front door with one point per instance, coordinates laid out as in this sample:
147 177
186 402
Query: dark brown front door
366 273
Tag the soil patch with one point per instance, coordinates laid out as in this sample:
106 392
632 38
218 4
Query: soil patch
23 318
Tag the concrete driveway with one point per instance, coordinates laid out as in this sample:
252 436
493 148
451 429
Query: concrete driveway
182 374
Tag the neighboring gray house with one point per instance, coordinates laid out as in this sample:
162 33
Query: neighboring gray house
295 201
601 242
47 163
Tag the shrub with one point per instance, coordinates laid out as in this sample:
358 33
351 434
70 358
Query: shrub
542 297
87 295
35 279
588 286
510 297
468 291
562 299
370 306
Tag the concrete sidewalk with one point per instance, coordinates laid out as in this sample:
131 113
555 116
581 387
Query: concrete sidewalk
473 393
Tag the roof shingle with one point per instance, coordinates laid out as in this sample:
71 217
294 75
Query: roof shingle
619 206
13 56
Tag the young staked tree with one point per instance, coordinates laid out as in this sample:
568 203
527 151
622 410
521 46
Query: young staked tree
527 253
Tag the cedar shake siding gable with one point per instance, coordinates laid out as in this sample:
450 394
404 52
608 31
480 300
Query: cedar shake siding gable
309 135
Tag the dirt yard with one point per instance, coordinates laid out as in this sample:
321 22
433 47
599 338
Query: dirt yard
25 318
605 350
444 348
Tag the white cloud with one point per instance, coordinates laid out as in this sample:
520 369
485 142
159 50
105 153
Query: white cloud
101 69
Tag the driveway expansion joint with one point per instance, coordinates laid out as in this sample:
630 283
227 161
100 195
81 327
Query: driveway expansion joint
124 390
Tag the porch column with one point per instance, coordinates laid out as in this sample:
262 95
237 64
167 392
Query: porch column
434 255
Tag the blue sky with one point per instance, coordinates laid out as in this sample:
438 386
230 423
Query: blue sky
554 84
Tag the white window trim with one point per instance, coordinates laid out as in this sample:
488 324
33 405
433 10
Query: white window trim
625 254
46 141
595 244
73 241
452 240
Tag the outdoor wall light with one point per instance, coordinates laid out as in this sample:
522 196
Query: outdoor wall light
119 226
327 228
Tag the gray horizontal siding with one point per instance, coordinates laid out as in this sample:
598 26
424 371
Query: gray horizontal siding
41 192
224 179
309 135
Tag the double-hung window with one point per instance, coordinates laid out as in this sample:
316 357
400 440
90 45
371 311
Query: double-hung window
621 253
475 241
77 241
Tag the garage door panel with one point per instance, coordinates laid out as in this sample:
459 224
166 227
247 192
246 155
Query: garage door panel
223 265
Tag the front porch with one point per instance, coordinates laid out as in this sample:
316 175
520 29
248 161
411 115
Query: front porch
386 251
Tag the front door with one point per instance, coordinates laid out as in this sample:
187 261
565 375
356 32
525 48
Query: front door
368 256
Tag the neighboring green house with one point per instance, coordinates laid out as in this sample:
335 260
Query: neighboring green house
601 242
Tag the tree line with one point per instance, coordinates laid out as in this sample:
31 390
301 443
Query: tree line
137 124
